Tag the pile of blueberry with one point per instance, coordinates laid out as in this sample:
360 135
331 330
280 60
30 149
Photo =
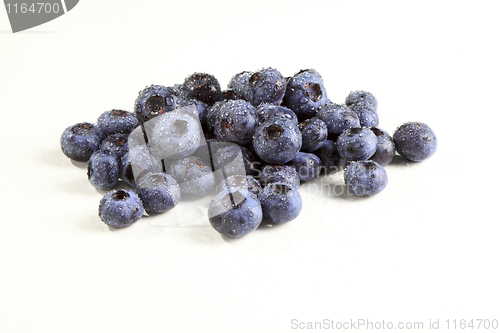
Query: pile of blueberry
251 145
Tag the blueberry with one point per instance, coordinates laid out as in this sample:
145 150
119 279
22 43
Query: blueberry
156 100
415 140
120 208
212 116
234 214
280 203
265 86
312 73
277 140
203 87
266 111
235 122
357 144
159 192
367 116
386 148
193 175
103 169
307 165
331 162
116 121
179 89
229 94
365 178
117 143
79 141
363 98
240 183
199 110
239 83
175 135
314 134
337 118
280 173
305 93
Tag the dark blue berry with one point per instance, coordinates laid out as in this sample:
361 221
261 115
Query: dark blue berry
415 140
235 122
314 134
234 214
331 161
337 117
307 165
193 176
203 87
212 117
266 111
156 100
365 178
159 192
79 141
363 98
265 86
386 148
116 121
230 94
103 169
305 93
311 73
239 83
280 203
367 116
117 143
120 208
280 173
357 144
277 140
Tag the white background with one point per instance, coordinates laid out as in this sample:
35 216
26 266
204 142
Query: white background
425 248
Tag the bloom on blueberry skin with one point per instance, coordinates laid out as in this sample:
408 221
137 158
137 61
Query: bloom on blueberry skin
234 214
156 100
365 178
415 141
361 97
357 144
79 141
277 140
305 93
116 121
120 208
280 202
103 169
159 192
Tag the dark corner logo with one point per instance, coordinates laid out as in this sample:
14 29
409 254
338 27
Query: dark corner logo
25 14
